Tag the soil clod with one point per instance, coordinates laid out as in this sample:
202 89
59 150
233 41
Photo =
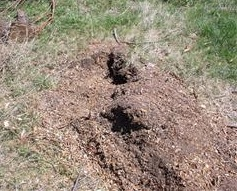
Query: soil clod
120 70
124 120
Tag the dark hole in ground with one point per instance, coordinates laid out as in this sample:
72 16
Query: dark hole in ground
119 70
123 121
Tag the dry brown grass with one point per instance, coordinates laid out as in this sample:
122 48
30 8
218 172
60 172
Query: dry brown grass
33 157
165 32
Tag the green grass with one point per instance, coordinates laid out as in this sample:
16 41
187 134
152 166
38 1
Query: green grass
182 2
88 18
215 22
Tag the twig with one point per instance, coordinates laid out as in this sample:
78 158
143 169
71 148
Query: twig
50 15
232 126
52 6
19 2
115 35
40 17
75 186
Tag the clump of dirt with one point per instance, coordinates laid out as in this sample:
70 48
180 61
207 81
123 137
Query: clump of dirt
123 119
140 127
120 71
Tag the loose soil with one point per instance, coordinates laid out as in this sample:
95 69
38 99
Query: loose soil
139 126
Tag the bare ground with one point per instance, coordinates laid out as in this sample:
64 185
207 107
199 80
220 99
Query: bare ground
139 127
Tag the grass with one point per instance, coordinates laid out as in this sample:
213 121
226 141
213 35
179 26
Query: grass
195 39
215 22
83 19
213 51
32 157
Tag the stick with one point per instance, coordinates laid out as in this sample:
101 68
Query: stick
48 21
232 126
74 188
115 35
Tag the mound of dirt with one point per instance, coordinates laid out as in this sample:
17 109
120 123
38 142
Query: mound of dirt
139 126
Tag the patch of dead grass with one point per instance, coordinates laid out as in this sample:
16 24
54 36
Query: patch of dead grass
33 157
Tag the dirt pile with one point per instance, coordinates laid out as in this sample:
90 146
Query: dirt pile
139 126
